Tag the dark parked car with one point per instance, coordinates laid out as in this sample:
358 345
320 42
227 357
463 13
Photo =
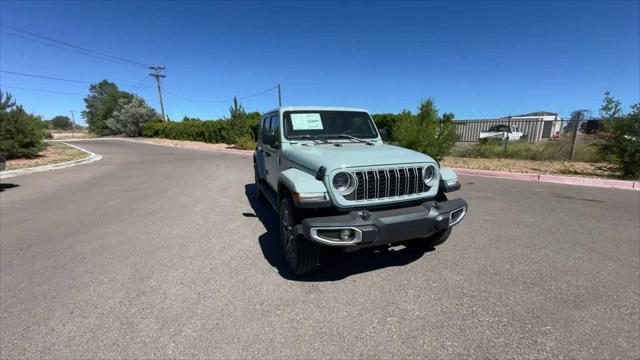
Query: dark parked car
590 127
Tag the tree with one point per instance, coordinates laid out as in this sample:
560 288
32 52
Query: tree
236 110
611 107
6 101
103 99
426 131
22 133
131 116
61 122
622 136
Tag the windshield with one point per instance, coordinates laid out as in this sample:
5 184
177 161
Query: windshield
330 124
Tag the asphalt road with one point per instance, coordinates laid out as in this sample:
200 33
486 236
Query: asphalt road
162 252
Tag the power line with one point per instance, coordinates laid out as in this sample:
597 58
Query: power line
55 46
87 51
60 79
40 90
260 93
221 101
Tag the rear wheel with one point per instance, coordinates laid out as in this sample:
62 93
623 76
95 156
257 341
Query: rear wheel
259 193
301 254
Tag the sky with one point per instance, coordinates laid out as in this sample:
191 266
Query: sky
475 59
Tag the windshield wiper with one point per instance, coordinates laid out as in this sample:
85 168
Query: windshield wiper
309 137
345 135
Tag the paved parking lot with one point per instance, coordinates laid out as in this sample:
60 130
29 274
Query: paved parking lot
162 252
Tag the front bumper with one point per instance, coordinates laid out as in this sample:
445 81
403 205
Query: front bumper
370 228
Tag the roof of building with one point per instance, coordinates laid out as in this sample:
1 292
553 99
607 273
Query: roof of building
538 113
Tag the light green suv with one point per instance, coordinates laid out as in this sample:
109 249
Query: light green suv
334 182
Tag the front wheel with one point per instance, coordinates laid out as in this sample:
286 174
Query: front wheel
301 254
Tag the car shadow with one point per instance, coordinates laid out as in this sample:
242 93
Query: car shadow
335 264
6 186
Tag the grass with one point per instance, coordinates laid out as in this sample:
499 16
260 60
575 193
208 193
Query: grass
54 153
572 168
546 157
586 150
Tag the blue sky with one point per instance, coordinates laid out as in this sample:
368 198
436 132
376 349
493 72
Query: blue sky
476 59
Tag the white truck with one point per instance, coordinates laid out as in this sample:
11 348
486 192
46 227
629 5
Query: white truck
502 132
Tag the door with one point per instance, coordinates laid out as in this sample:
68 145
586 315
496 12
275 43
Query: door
272 153
264 124
547 127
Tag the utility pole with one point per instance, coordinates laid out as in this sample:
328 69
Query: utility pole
506 140
156 74
279 96
576 117
73 122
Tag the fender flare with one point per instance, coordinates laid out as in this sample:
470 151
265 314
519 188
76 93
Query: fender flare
307 191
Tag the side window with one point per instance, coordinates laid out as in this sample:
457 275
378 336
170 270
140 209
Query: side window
264 126
275 126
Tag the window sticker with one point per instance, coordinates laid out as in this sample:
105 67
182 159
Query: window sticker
306 121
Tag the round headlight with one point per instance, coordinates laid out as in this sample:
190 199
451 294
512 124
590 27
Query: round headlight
341 181
428 174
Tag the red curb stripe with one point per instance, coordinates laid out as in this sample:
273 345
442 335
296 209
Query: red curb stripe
568 180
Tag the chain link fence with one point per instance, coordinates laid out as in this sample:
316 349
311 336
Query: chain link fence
580 131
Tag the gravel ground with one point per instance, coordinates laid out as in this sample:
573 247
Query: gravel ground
157 252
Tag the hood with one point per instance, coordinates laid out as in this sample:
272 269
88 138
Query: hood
352 155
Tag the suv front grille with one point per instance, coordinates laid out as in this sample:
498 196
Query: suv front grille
384 183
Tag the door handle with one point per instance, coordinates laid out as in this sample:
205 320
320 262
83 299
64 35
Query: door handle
267 154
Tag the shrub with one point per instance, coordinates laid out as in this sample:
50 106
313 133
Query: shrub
623 143
426 131
130 117
586 151
21 134
61 122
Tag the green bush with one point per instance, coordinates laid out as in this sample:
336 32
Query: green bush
216 131
426 131
21 134
623 143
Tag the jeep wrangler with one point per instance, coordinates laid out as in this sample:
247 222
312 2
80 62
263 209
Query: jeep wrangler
333 182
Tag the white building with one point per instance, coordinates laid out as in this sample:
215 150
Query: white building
536 126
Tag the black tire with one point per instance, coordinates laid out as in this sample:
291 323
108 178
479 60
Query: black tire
259 193
301 255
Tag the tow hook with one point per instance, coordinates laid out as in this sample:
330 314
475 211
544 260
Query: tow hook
364 215
436 205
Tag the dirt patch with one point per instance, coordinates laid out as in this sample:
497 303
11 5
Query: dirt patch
580 169
66 135
53 154
189 144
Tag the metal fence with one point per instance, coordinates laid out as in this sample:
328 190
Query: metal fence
534 128
579 130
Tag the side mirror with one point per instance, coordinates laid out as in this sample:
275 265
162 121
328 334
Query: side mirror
269 138
383 134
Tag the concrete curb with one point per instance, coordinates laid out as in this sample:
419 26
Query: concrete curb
556 179
91 157
230 151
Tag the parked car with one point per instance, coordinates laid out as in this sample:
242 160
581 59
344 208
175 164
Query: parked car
333 182
590 126
501 132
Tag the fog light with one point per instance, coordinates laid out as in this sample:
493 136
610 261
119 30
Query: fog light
346 235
